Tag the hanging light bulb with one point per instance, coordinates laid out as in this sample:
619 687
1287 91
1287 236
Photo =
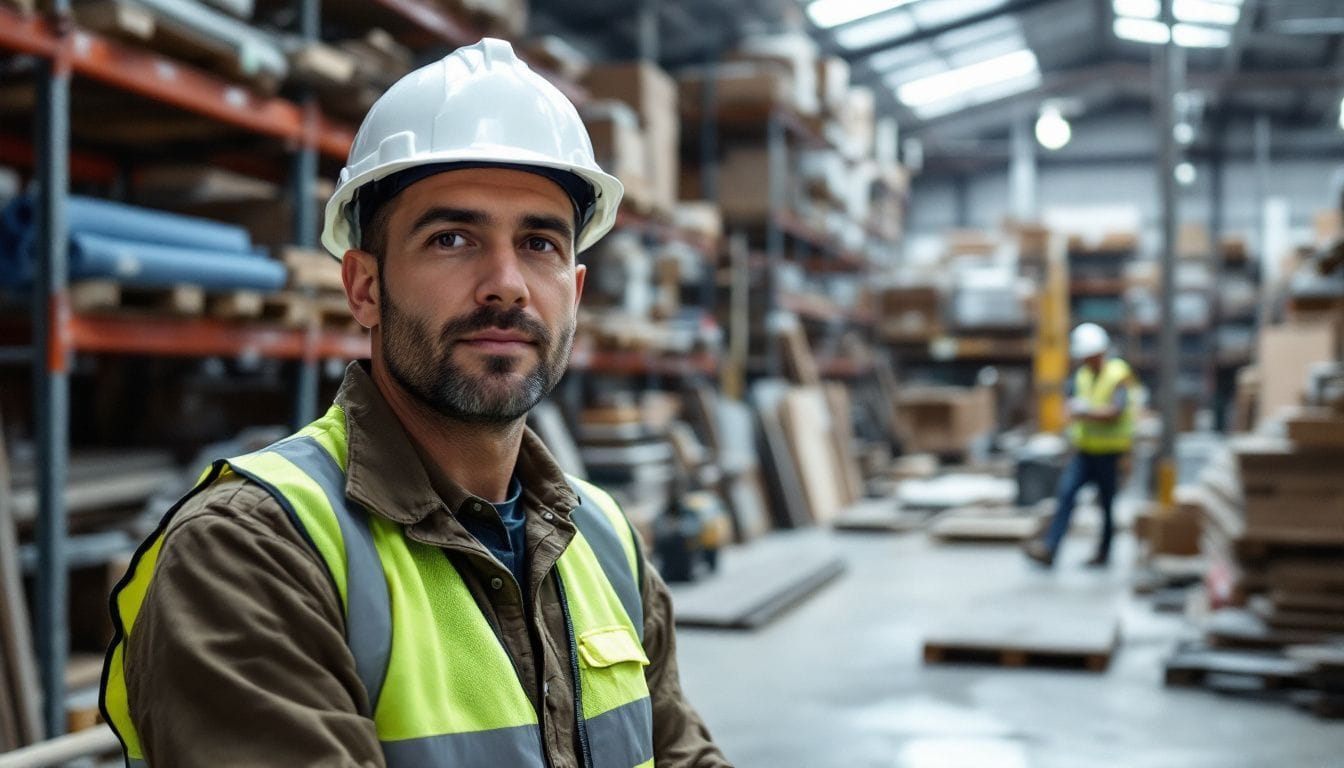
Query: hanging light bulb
1185 174
1052 130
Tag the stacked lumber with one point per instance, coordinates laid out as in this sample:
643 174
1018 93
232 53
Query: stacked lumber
348 76
20 699
1273 529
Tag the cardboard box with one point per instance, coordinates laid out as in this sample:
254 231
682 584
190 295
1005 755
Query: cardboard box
556 54
744 182
500 18
1175 531
1286 353
943 420
700 218
832 85
618 146
909 313
652 93
738 86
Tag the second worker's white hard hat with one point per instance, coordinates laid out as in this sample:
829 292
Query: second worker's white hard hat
479 105
1088 339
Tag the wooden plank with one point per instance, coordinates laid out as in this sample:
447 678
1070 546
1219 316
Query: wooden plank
808 425
15 631
880 516
757 582
986 525
1197 665
787 502
842 436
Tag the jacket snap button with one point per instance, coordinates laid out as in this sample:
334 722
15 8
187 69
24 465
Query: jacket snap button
547 516
496 583
476 506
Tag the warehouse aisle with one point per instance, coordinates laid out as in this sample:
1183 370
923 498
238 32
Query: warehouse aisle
839 682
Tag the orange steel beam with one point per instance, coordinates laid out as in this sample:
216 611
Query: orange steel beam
19 152
198 337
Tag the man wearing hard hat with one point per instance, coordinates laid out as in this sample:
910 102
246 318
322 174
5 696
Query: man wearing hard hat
1101 404
411 580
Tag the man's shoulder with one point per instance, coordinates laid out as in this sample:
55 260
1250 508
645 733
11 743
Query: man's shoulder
233 501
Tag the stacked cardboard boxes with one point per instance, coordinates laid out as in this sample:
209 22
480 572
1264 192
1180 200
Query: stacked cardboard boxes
943 420
652 94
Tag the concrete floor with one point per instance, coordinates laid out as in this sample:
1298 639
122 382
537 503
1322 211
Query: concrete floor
839 681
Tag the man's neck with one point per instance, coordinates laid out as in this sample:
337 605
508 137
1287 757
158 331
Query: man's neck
478 457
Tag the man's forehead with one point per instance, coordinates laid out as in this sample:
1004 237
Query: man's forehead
473 185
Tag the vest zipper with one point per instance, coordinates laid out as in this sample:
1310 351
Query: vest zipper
585 750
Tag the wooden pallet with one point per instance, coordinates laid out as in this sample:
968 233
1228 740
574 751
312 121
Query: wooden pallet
942 652
1047 625
106 296
1234 671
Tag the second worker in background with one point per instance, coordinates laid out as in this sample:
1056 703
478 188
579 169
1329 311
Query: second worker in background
1102 398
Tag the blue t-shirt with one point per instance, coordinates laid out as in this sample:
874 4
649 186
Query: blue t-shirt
506 536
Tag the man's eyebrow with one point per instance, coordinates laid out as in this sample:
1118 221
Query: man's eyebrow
555 224
443 215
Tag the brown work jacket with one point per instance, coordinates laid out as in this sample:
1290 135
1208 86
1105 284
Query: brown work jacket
239 657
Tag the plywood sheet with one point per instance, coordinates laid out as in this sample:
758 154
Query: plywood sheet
788 505
757 582
808 423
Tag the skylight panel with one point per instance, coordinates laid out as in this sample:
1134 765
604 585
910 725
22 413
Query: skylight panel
892 26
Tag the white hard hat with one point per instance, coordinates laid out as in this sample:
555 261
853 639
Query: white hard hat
1087 340
479 105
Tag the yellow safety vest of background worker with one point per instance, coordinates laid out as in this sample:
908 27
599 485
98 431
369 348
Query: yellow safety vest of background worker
351 595
1103 397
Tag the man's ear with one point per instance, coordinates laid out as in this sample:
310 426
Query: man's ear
359 272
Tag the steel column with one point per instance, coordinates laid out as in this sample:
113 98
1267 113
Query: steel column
778 150
51 386
1217 217
1022 170
305 224
1169 62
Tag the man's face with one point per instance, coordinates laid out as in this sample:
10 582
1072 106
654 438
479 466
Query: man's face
478 292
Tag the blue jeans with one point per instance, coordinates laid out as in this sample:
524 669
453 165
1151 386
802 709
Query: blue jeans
1103 469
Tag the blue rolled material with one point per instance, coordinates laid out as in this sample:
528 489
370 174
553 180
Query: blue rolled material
148 264
139 246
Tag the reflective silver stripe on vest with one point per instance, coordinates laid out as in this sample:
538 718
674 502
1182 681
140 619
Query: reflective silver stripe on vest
368 624
610 551
131 763
518 747
623 737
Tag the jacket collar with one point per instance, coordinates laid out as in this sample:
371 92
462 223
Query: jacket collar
386 474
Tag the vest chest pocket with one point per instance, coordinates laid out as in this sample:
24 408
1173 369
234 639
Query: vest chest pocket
609 646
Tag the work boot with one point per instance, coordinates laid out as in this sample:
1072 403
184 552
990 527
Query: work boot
1037 551
1100 561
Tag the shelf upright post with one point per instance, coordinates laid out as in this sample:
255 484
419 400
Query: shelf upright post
305 226
1168 77
778 151
51 386
1218 264
709 168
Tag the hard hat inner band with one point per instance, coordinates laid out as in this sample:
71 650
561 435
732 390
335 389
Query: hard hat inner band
375 194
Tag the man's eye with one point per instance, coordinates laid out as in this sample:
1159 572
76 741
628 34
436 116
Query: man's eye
540 244
450 240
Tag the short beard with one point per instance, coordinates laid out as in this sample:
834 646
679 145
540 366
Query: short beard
424 367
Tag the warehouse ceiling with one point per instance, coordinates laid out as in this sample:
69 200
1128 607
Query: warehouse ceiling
956 72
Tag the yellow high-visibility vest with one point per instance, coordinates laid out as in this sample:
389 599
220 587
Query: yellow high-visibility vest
1099 391
442 689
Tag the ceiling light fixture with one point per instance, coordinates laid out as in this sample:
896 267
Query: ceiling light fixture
1194 36
833 13
1141 31
1206 12
955 82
